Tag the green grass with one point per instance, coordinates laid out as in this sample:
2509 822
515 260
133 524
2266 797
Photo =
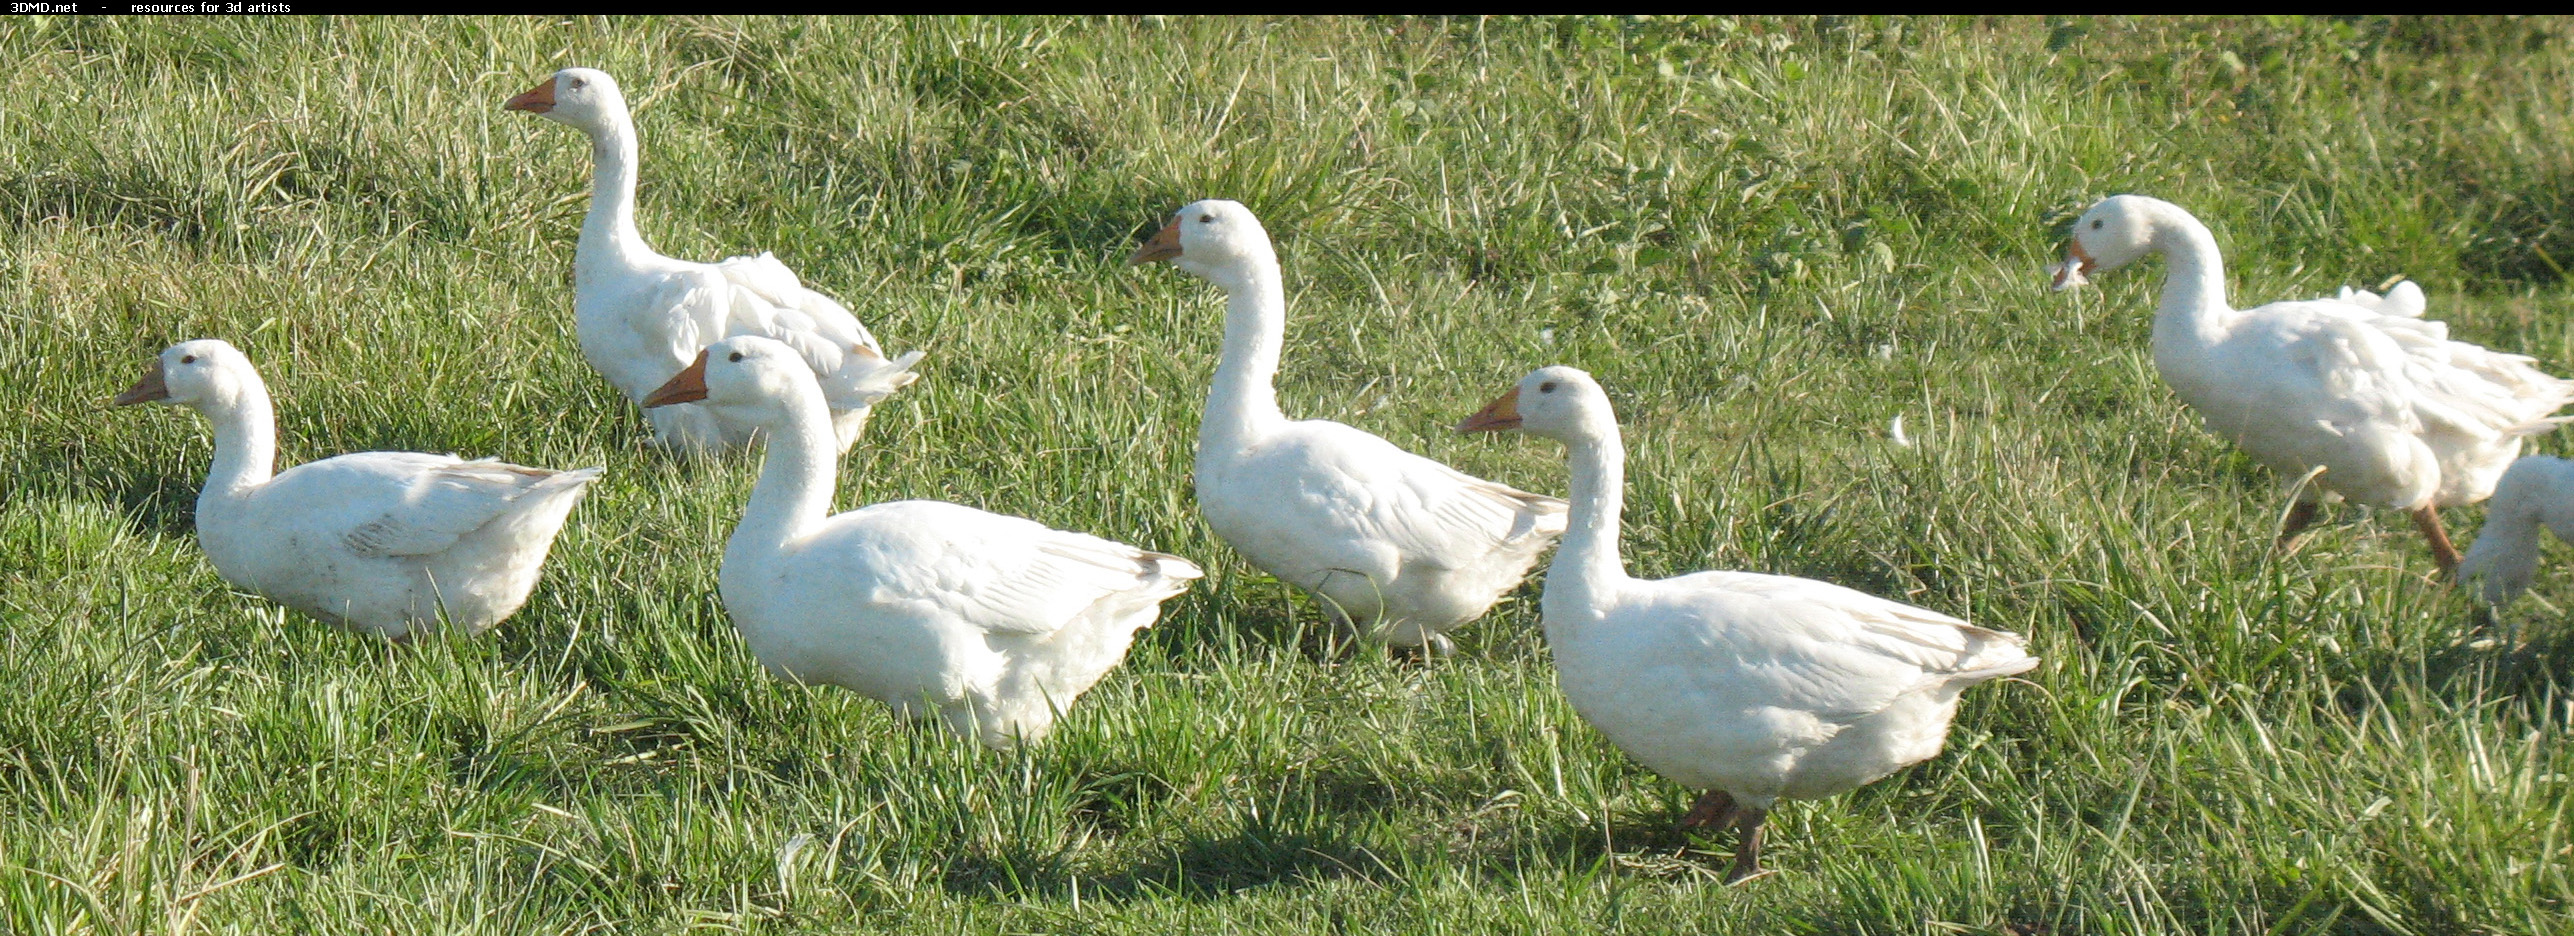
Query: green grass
1768 238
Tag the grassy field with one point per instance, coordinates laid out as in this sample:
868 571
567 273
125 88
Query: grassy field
1767 238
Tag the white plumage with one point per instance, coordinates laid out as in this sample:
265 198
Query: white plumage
1391 541
2537 491
642 316
993 623
385 542
1753 687
2403 300
2395 413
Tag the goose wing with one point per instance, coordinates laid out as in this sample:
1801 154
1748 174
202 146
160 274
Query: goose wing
425 503
2403 372
1427 511
757 295
1840 653
1009 575
2332 362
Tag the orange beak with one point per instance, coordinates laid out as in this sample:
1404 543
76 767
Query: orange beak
688 387
2076 270
537 100
1495 416
1164 246
146 390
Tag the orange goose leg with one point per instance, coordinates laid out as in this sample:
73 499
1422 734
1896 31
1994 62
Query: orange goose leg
2427 519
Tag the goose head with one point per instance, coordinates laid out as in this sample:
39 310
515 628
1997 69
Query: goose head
201 375
756 380
2111 234
582 97
1214 239
1559 402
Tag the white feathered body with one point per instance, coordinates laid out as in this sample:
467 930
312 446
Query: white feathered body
642 318
389 542
1768 686
992 622
2397 414
1387 537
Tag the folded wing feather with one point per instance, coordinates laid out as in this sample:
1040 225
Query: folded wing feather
1443 517
1846 654
1021 577
432 501
757 295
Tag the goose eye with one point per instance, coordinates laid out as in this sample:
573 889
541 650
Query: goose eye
735 356
578 84
2095 224
1547 387
1206 219
187 359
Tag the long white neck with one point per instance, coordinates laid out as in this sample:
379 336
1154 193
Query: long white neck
609 239
1244 400
2194 306
2505 553
795 486
245 440
2512 529
1587 571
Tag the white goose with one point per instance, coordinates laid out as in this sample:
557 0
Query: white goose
1390 540
384 542
642 316
1753 687
993 623
2395 413
2537 491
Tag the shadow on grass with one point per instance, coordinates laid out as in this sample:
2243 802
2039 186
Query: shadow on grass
160 504
1199 869
1643 844
2506 656
1258 614
1343 839
1323 825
